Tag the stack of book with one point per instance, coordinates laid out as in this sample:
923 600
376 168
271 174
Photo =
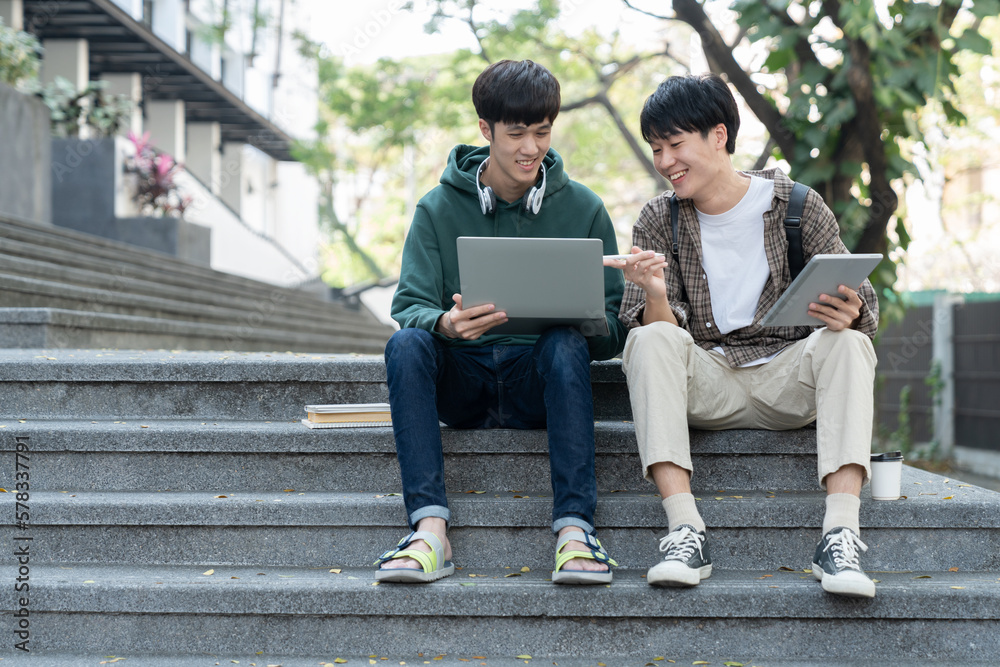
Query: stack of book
347 415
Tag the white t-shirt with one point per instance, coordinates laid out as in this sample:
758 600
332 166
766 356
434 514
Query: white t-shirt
733 257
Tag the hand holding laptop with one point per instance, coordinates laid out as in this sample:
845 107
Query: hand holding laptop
469 323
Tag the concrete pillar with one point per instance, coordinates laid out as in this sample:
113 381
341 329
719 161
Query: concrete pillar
166 126
129 85
944 359
12 13
68 58
231 180
203 157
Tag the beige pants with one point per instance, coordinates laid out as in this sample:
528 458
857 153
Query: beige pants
673 384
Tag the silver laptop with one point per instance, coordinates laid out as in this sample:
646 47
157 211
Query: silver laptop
539 283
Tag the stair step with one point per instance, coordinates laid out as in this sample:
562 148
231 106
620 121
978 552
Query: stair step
769 614
112 279
39 295
190 455
749 529
59 328
464 658
68 248
132 384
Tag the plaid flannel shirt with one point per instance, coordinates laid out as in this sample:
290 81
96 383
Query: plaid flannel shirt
687 284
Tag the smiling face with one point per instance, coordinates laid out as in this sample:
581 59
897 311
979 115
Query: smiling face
692 163
516 153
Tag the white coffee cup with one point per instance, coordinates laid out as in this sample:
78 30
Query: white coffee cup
887 469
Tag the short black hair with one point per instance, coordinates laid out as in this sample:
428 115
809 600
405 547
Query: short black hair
516 92
694 103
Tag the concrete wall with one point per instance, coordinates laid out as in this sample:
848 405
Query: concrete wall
25 135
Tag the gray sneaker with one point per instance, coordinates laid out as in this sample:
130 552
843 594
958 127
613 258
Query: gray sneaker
687 560
836 564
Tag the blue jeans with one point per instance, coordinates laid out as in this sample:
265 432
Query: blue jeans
494 386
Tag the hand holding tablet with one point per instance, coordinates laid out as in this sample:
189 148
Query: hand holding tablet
824 274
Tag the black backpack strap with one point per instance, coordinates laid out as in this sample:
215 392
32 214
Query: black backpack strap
793 228
674 215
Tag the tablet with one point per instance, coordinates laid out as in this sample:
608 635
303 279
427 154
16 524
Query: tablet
539 282
822 275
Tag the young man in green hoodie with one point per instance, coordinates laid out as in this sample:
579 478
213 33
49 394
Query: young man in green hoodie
444 364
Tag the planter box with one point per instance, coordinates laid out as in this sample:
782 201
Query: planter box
25 156
90 192
180 238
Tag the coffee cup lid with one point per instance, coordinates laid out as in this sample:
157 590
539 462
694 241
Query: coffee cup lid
888 456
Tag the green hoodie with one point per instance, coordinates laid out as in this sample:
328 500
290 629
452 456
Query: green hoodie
429 275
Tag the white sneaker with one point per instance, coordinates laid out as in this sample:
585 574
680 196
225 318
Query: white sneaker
687 561
836 564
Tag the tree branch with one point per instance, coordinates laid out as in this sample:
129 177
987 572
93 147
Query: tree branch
720 57
637 149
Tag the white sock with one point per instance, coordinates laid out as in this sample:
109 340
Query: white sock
680 509
842 509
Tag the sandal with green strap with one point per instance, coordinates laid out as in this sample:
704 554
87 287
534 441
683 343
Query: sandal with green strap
433 565
597 552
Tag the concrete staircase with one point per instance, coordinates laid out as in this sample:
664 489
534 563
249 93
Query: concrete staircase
64 289
181 515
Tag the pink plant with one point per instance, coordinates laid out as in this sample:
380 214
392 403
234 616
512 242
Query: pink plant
156 192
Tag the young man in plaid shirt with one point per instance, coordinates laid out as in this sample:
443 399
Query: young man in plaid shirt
696 353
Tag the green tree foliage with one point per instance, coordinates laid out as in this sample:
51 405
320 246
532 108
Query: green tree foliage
839 91
402 117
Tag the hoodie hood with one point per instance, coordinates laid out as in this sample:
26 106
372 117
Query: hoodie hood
464 161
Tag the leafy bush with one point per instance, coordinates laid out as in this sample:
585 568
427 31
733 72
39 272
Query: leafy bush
91 107
18 56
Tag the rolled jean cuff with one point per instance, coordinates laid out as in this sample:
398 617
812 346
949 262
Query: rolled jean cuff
431 510
559 524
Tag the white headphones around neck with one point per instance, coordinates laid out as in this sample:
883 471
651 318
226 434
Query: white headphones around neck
530 203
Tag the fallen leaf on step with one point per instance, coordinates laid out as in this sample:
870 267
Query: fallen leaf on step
209 573
141 426
89 581
958 588
785 568
340 661
288 490
524 657
947 497
923 576
733 664
766 576
220 496
701 662
475 492
336 570
953 569
511 574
